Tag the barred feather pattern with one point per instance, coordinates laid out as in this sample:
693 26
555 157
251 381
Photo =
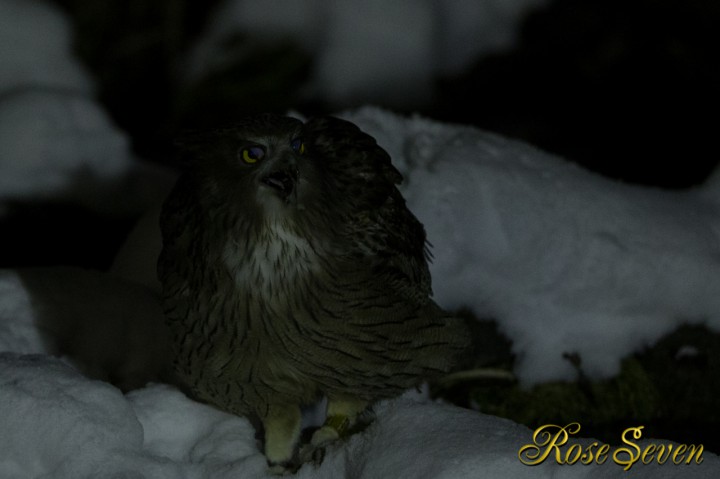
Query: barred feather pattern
275 303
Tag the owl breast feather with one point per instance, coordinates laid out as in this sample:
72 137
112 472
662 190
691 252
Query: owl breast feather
275 264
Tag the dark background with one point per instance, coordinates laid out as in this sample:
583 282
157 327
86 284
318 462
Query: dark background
628 88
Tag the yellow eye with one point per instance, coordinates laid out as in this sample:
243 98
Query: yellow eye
298 146
252 154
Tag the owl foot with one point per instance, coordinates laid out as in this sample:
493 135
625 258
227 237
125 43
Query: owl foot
325 435
313 452
282 431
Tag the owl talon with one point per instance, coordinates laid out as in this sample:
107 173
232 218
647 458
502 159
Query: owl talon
318 455
324 436
311 454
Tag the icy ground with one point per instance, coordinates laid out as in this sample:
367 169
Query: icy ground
563 259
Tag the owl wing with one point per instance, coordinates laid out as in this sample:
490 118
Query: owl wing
382 236
380 295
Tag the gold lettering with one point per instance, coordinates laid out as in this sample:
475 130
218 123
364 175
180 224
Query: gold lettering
602 454
549 440
631 458
692 448
679 451
661 449
533 454
575 449
587 457
649 451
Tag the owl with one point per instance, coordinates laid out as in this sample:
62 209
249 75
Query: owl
291 270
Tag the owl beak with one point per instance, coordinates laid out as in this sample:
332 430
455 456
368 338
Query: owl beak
283 181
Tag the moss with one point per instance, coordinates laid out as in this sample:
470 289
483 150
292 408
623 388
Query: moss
670 388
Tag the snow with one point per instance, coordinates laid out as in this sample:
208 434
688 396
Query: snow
58 424
50 141
56 141
17 331
383 51
34 47
566 260
55 422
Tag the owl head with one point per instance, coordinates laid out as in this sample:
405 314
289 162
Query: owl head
279 166
257 162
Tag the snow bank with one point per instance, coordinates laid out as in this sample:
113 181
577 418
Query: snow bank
56 142
564 259
379 51
53 142
55 422
35 49
58 424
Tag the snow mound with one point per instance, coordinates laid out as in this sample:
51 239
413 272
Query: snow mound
34 49
564 259
56 142
52 142
58 424
55 422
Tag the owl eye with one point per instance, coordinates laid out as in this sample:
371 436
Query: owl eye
252 154
298 146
